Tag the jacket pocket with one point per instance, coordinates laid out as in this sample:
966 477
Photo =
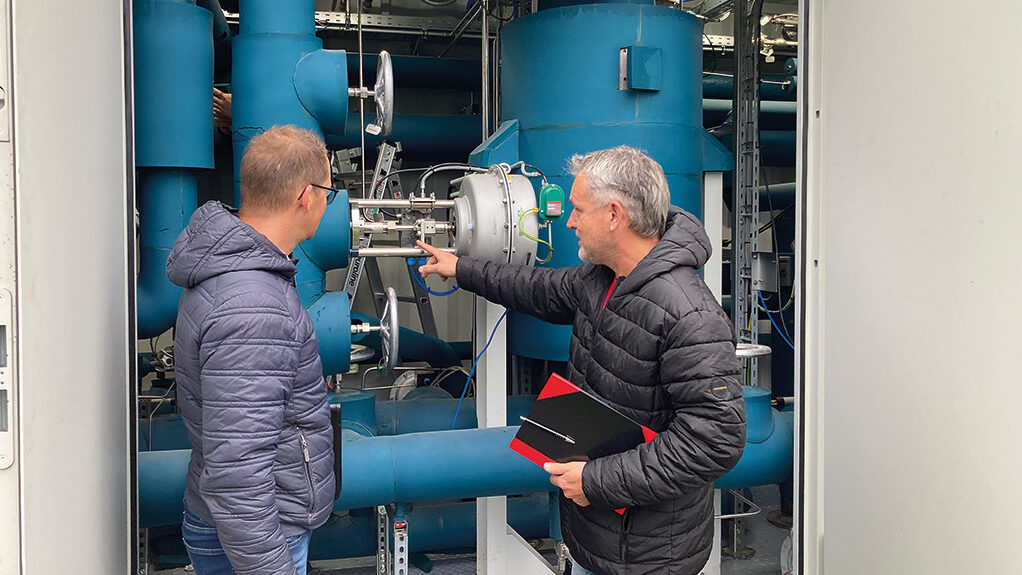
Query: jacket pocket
308 472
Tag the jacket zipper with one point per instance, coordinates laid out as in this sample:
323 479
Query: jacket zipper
603 307
626 525
308 472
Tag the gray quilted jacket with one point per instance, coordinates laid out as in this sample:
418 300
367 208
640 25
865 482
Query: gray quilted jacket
251 392
661 352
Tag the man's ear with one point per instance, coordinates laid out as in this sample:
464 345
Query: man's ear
306 197
618 215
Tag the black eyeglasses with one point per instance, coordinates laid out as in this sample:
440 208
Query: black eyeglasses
331 193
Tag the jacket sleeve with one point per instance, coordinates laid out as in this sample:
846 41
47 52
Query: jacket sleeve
547 293
249 358
705 439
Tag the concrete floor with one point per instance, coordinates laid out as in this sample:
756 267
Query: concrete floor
760 535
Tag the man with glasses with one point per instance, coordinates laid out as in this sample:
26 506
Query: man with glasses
249 378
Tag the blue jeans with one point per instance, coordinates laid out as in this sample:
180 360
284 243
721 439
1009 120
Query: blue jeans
577 569
208 557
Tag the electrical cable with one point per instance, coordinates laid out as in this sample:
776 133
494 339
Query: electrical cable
773 323
777 251
550 247
473 370
422 283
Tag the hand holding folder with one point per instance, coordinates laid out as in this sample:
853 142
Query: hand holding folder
568 424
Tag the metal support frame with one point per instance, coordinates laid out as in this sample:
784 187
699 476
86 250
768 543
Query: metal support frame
383 564
745 208
400 534
386 161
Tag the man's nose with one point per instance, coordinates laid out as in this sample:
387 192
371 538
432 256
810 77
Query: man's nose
571 221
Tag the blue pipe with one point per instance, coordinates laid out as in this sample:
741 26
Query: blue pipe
436 466
444 465
412 345
420 415
769 447
772 115
167 198
173 70
422 72
419 467
361 414
724 87
431 135
436 527
221 40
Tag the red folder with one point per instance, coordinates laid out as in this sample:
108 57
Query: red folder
567 424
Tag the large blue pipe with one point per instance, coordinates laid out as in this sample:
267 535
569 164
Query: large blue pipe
446 465
167 198
773 87
173 75
419 467
366 417
422 72
436 527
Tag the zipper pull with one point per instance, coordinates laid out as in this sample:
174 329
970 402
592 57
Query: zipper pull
305 447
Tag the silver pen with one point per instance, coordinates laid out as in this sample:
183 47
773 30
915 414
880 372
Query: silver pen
547 429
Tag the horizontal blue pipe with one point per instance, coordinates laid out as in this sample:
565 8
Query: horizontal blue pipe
776 147
401 417
452 135
391 418
438 527
436 466
419 467
772 115
321 82
724 87
167 198
421 72
412 345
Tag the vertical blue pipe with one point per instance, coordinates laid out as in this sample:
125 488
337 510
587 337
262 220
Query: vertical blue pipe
173 69
167 198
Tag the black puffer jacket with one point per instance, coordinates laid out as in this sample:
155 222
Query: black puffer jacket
661 352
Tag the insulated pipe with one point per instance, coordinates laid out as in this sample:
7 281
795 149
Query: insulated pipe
390 418
422 72
446 465
772 115
436 527
435 466
431 135
723 87
221 39
167 198
173 71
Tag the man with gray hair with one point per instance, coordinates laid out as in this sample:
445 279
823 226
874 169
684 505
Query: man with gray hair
650 340
249 378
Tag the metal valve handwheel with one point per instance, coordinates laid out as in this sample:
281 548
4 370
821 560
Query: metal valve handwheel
383 94
389 328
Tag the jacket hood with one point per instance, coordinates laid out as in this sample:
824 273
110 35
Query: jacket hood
684 244
215 242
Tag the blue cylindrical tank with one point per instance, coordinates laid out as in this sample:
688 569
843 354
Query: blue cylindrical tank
561 70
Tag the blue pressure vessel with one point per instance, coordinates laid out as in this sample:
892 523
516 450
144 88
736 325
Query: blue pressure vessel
580 78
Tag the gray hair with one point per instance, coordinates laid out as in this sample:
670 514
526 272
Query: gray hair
631 177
